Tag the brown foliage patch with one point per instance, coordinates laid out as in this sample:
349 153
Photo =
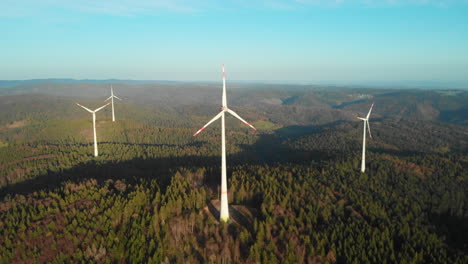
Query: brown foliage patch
280 211
49 244
16 124
409 167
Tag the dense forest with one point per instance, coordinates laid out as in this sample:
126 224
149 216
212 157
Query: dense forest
295 190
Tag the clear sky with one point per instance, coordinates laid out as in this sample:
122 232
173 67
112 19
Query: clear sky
292 40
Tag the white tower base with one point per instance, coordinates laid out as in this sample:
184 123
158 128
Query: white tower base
95 140
363 162
224 211
113 116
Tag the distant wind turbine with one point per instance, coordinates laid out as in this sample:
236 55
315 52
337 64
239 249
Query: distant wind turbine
366 123
224 214
112 101
94 124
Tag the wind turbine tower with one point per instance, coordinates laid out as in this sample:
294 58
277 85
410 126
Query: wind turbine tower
366 124
112 101
94 124
224 214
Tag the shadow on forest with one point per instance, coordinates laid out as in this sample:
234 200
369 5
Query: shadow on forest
131 171
213 210
241 219
298 131
194 144
268 149
454 228
343 105
393 152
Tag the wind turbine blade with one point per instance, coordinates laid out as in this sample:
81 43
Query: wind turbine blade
117 98
368 114
240 118
101 107
361 118
108 98
368 128
87 109
207 124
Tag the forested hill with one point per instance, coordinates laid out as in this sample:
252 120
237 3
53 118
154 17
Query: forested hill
296 193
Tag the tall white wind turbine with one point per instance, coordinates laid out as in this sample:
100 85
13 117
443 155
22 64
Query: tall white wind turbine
112 101
94 124
366 123
224 214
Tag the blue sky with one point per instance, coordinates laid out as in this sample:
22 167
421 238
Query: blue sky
292 40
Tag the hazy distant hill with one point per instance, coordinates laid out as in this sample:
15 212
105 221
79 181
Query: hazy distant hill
12 83
425 85
283 104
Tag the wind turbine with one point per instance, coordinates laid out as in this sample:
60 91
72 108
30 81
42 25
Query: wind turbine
94 124
366 123
224 214
112 101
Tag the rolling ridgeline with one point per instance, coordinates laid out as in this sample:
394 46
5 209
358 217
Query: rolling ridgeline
295 189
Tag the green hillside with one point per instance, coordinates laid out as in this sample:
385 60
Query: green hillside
295 190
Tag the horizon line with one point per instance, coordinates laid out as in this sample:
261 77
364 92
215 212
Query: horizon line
432 84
